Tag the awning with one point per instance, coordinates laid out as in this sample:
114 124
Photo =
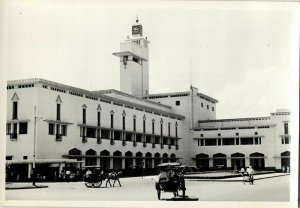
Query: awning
43 161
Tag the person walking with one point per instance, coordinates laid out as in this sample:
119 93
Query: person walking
68 174
242 171
250 172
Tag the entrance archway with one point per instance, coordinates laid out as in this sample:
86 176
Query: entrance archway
105 159
237 161
285 159
219 161
202 161
257 160
117 161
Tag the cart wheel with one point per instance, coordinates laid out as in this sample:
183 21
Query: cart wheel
89 184
98 184
158 193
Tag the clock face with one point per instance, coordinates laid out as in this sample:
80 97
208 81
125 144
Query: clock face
137 30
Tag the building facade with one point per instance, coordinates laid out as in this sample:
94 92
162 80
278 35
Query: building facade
69 127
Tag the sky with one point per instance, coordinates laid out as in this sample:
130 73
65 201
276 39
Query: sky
240 53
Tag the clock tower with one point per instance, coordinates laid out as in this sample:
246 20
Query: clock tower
134 67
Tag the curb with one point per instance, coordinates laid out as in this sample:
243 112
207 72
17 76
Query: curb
240 180
25 187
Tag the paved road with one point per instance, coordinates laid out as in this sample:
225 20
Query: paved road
138 189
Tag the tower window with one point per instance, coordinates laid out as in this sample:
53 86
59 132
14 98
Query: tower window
23 128
201 105
144 126
83 115
98 118
213 109
51 129
111 120
207 107
123 122
58 112
15 110
177 102
286 128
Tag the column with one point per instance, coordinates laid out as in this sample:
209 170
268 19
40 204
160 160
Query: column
228 162
211 163
29 170
247 161
111 163
123 163
133 162
152 162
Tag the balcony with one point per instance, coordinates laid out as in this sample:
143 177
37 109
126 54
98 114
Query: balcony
58 137
99 141
13 136
84 139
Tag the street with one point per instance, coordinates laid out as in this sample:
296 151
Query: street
143 189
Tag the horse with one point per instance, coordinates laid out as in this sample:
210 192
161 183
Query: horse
114 176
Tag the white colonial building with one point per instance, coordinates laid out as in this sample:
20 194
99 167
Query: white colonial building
122 129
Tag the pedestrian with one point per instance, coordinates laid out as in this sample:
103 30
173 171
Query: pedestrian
88 175
68 173
250 173
283 169
242 171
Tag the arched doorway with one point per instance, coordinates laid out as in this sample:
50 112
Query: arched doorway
157 159
139 158
172 157
105 159
90 161
237 161
75 152
165 158
285 159
128 160
117 160
202 161
257 160
219 161
148 160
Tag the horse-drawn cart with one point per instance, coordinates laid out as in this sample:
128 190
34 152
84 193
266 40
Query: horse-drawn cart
170 179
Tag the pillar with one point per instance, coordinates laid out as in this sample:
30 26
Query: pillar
111 163
29 170
247 161
211 163
123 163
228 160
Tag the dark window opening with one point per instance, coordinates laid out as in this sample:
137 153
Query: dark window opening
58 112
286 128
246 141
51 129
177 102
123 123
144 126
84 116
237 141
25 157
98 118
64 130
8 157
90 132
213 109
210 142
8 129
228 141
15 110
23 128
111 120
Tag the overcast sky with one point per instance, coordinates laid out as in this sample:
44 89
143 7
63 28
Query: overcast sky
238 53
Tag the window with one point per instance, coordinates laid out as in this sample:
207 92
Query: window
247 141
228 141
152 127
15 110
219 142
144 126
98 118
286 128
219 134
23 128
201 105
207 107
161 129
64 130
201 135
15 127
134 124
8 157
169 127
213 108
237 141
210 142
51 129
123 122
25 157
177 102
8 127
176 132
58 111
236 134
255 133
57 129
90 132
285 140
84 116
202 142
111 120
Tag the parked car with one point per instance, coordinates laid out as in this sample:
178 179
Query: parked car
188 169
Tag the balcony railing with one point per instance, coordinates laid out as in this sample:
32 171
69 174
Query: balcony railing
58 137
